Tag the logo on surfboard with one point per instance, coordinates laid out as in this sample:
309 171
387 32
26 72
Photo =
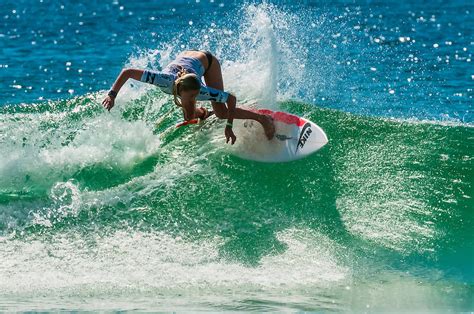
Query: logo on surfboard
304 135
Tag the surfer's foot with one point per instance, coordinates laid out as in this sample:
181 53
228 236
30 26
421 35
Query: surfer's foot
268 125
206 113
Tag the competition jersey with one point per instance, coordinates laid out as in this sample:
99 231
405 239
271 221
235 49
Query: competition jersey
165 79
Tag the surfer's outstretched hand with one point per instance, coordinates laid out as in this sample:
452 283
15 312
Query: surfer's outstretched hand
108 103
229 135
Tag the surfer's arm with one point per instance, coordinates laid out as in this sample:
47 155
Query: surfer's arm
231 104
220 97
162 80
136 74
126 74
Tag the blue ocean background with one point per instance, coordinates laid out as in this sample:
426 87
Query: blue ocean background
121 211
381 58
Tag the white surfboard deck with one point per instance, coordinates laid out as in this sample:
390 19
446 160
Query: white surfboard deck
295 138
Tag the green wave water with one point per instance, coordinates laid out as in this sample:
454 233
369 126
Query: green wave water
121 210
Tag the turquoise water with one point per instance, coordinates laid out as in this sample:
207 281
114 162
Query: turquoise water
121 211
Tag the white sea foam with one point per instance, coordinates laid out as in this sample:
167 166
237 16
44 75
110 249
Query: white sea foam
41 154
130 262
148 270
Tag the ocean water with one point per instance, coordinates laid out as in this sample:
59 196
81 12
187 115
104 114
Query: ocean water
121 211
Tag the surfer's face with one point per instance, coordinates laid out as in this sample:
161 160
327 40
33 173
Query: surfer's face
189 95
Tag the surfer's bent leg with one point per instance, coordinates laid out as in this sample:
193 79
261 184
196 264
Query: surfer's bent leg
221 111
266 121
213 79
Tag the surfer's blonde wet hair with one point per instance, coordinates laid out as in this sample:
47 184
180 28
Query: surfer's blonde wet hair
185 82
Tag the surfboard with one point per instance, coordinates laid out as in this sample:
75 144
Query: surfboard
295 138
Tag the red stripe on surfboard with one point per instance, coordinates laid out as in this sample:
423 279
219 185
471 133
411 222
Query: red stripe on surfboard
284 117
193 121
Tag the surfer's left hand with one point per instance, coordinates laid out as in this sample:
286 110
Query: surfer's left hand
229 135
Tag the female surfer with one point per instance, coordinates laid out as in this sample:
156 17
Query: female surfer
182 79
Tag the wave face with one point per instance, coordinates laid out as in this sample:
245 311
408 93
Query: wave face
109 205
124 207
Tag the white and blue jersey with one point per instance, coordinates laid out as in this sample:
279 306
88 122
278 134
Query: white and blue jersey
165 79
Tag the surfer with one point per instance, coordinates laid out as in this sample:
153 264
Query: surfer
182 79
